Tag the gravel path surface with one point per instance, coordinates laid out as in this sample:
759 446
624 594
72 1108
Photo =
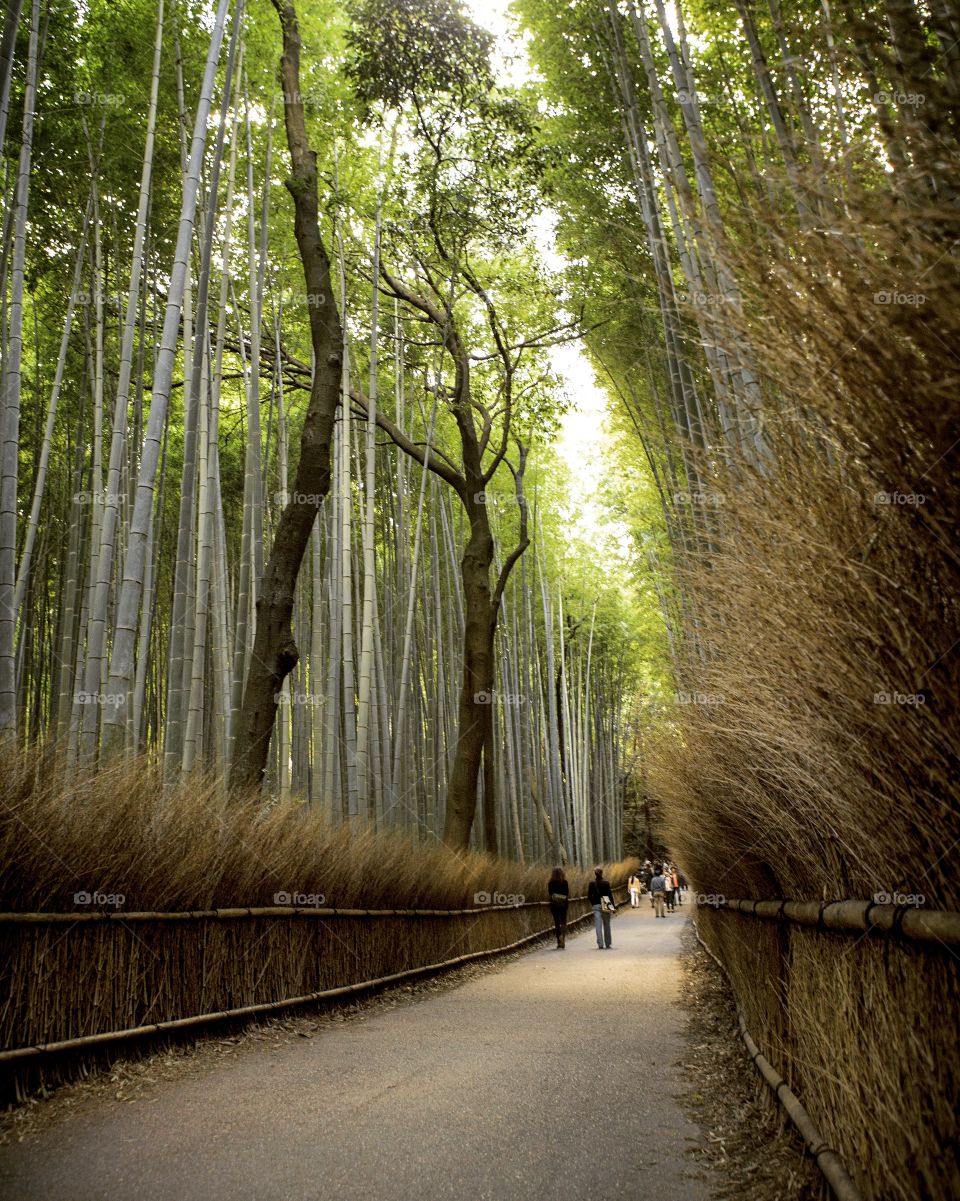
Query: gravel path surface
551 1079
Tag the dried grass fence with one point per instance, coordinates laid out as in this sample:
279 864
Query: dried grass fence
818 755
863 1027
139 975
68 971
832 1167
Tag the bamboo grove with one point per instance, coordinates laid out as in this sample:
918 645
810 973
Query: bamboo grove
760 202
763 205
159 358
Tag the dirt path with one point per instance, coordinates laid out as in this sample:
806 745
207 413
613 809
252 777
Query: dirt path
552 1078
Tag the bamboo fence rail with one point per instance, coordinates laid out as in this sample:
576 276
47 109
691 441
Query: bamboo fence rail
856 916
69 990
823 1155
255 911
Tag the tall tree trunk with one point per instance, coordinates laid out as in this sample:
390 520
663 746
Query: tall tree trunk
490 843
275 652
482 608
476 689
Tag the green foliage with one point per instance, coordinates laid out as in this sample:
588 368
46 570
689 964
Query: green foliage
404 110
416 50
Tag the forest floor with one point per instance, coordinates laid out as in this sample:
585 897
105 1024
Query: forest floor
757 1155
599 1076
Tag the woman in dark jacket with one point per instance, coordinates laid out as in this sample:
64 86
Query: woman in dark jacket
600 896
559 891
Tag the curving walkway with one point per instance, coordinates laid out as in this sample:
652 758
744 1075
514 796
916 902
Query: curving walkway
550 1079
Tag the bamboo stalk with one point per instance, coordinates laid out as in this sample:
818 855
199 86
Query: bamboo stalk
130 597
10 409
7 48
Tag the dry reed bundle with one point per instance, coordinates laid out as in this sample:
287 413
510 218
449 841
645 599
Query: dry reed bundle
817 757
116 834
116 831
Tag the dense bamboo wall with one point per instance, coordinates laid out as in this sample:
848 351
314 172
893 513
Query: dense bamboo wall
856 1025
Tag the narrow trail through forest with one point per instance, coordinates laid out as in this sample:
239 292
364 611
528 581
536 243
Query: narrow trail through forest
553 1077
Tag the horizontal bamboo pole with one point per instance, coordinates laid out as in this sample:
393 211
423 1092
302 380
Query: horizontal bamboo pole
117 915
19 1054
906 921
826 1159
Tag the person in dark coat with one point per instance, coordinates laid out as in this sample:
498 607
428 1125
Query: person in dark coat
559 891
658 891
600 896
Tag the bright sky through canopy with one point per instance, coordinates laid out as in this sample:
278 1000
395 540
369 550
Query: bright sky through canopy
582 435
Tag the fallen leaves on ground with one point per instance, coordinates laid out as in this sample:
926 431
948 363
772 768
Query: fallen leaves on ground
755 1156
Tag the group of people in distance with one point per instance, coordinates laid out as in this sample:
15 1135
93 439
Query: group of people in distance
663 881
666 889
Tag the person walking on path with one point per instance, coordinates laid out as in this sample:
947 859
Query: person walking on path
635 885
559 890
600 896
669 892
658 888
